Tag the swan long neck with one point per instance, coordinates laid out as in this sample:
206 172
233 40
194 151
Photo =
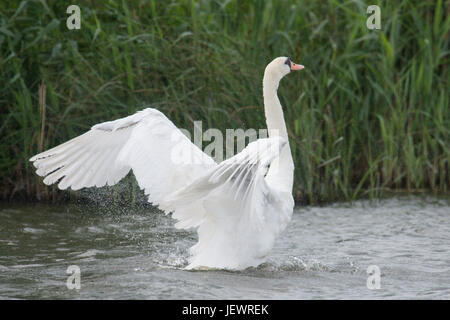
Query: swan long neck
281 171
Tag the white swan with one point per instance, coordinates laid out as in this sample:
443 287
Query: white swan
238 206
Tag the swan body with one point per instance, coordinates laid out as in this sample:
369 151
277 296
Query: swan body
238 206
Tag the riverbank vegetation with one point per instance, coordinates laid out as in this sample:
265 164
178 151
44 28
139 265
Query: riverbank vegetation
369 114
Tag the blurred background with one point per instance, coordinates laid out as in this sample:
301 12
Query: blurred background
368 117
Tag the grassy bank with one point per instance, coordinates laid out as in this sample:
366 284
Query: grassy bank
370 112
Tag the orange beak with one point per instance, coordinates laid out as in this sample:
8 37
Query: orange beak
295 66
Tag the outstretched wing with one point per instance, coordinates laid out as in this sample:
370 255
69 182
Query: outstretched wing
160 155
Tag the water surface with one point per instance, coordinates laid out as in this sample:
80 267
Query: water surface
138 254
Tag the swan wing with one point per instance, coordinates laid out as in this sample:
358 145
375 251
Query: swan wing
162 158
241 213
241 180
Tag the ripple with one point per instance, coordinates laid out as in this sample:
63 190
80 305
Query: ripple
294 264
33 230
324 253
89 253
23 266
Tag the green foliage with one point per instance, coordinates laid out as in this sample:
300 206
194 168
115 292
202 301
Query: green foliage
369 113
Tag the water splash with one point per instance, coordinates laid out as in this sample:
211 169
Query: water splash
294 264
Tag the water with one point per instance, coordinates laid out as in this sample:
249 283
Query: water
138 254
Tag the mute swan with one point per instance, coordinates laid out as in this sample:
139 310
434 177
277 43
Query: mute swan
238 206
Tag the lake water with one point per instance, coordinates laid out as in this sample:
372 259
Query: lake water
138 254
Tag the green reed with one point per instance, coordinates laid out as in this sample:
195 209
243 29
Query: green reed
369 114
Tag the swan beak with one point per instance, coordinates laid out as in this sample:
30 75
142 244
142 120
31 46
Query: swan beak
295 66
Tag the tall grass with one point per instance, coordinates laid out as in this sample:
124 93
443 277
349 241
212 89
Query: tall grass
370 113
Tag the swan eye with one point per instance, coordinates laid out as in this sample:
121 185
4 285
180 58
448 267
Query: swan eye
288 63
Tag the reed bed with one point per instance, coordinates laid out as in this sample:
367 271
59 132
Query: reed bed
369 114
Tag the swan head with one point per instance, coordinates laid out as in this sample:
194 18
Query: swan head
279 67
